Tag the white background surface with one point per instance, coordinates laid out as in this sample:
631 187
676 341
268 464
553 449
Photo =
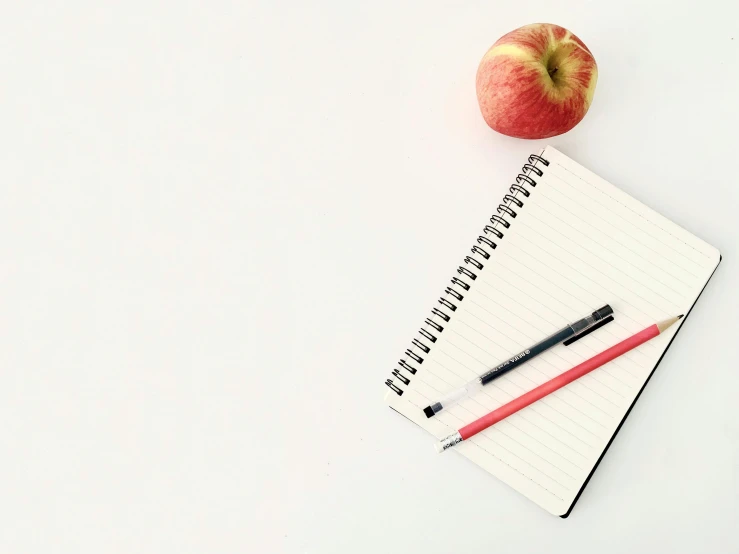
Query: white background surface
223 222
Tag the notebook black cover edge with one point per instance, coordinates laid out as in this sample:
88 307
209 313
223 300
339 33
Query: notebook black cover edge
585 484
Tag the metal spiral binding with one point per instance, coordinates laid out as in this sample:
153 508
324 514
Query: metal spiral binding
510 207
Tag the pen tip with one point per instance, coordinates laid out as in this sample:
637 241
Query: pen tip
680 316
428 411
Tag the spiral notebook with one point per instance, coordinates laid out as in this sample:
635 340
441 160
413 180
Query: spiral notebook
563 243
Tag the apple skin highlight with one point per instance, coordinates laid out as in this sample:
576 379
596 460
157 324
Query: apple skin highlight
536 82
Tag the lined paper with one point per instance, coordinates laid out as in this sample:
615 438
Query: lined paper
577 243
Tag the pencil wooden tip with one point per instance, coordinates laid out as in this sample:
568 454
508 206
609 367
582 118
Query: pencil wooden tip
663 325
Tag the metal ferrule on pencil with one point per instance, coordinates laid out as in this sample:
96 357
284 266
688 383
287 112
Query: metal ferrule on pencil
448 442
556 383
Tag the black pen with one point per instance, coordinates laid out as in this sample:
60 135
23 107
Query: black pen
562 335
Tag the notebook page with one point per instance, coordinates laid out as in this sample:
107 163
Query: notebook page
577 243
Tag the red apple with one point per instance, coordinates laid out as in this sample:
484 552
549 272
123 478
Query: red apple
536 82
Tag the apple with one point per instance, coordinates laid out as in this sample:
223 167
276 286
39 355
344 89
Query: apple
536 82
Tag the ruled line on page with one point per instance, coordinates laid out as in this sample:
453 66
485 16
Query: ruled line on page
605 330
603 239
526 442
591 187
574 359
618 266
484 409
573 245
535 364
536 466
582 346
488 390
603 221
506 379
592 254
559 369
499 456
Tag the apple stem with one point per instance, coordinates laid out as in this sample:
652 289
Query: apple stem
553 71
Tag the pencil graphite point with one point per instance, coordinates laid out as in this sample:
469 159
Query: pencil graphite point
664 325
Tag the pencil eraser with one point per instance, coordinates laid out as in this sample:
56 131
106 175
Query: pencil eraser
428 411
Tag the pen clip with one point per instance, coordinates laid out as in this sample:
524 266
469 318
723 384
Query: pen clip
589 330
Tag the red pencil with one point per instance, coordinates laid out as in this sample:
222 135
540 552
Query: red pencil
554 384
